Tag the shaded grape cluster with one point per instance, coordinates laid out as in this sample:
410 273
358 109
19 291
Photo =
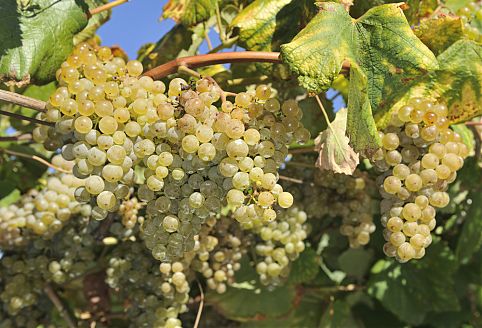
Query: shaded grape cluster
44 211
325 194
419 159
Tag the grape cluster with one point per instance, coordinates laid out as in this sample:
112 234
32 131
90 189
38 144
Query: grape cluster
419 159
325 194
218 252
155 294
281 242
193 157
129 210
468 14
43 212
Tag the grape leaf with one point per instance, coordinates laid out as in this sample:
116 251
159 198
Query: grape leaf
95 21
457 82
335 154
440 33
189 12
470 239
244 304
40 37
258 22
180 41
411 290
305 268
355 262
381 48
338 315
306 313
11 198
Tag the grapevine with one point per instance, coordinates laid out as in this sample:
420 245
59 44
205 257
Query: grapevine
263 164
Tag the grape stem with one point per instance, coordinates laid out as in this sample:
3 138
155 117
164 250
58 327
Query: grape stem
21 137
35 158
60 306
172 66
282 177
107 6
15 98
26 118
201 306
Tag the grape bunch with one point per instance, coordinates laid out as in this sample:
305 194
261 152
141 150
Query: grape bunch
155 294
419 159
43 212
325 194
281 242
193 157
218 252
129 210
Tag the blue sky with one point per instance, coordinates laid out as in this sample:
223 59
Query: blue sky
137 22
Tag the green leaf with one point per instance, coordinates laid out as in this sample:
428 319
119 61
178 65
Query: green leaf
381 48
258 22
361 127
180 41
355 262
6 188
305 268
457 83
189 12
411 290
335 154
95 21
244 304
304 314
440 33
470 239
338 315
40 37
11 198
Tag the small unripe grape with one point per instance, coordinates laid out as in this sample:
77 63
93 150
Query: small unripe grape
395 224
285 200
83 124
265 198
410 228
397 238
263 92
439 199
401 171
392 184
404 113
235 197
170 223
413 182
94 184
106 200
443 171
190 144
406 251
134 67
411 212
429 177
390 141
